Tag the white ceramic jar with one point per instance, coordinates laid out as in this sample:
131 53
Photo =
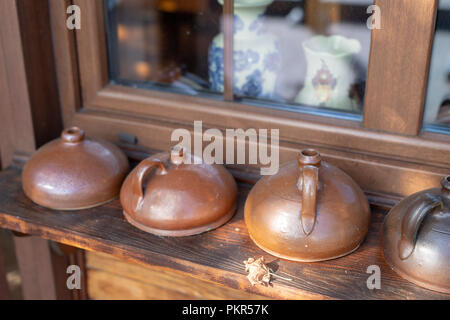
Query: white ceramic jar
330 73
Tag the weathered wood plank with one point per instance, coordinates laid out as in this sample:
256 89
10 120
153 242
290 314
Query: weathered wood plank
215 256
112 278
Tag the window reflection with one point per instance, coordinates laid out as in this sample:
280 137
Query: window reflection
294 54
161 43
317 52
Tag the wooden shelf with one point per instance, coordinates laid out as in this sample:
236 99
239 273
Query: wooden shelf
215 256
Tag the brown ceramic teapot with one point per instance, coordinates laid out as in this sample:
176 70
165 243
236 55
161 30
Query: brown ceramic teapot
74 172
416 238
309 211
169 196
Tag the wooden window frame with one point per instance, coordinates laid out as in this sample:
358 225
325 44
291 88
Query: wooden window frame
387 153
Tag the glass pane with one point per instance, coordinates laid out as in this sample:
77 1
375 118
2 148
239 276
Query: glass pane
305 55
299 55
437 106
161 44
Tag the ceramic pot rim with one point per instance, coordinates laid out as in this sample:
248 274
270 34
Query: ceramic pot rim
307 45
182 232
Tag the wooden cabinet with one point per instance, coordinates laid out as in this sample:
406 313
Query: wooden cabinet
52 77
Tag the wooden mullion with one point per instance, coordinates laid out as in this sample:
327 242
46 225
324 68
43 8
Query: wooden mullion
228 49
65 60
93 62
399 64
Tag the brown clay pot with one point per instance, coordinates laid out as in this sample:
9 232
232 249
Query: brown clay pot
166 196
416 238
74 172
309 211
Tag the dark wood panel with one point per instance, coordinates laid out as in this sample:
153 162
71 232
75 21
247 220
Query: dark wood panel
4 289
37 48
399 63
215 256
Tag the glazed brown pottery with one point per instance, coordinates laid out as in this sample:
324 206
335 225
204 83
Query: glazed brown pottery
416 238
309 211
168 196
74 172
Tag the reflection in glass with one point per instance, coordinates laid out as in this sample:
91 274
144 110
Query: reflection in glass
437 107
301 53
161 44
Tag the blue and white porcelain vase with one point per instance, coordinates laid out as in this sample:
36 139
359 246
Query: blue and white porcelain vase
256 54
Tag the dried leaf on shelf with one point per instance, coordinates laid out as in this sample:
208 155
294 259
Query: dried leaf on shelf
258 272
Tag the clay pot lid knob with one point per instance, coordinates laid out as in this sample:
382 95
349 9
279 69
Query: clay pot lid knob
309 161
177 155
73 135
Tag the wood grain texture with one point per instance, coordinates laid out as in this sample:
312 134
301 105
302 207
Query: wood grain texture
112 278
398 69
216 256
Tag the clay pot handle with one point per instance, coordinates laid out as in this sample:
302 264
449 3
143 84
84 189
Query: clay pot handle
309 161
416 212
141 171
